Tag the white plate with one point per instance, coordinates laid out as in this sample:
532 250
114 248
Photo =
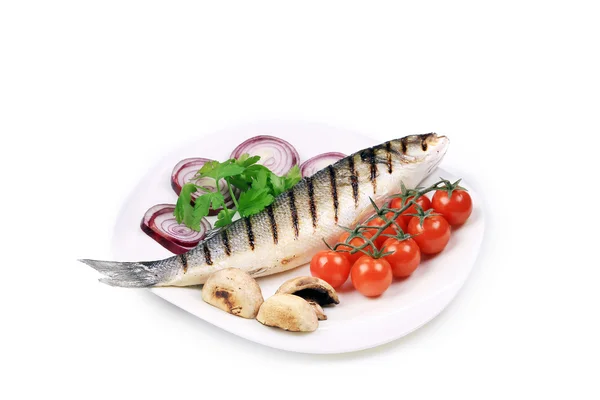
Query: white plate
357 323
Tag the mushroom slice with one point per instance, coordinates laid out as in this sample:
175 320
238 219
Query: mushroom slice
311 289
234 291
318 310
288 312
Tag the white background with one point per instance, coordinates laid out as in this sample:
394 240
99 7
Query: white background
92 93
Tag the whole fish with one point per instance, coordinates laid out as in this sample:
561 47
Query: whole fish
291 230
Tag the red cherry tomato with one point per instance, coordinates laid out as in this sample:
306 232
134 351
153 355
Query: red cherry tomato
405 257
370 276
456 209
378 222
331 266
422 201
433 236
356 242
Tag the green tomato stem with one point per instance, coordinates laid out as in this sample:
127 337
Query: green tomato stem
357 232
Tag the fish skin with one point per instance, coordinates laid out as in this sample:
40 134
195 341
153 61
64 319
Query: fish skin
292 229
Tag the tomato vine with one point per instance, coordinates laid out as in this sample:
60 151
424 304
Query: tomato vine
368 240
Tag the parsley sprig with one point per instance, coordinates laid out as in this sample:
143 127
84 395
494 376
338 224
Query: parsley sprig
258 186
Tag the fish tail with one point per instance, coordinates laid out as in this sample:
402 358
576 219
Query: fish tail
129 274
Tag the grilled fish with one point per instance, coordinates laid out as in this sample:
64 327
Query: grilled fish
291 230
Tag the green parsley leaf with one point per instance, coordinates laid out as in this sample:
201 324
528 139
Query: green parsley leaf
218 171
225 217
240 182
245 160
209 169
256 176
201 208
203 204
226 170
254 201
292 177
183 209
254 170
260 180
217 200
278 185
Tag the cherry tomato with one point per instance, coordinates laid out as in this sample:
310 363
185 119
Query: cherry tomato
422 201
405 257
356 242
370 276
433 236
331 266
378 222
456 209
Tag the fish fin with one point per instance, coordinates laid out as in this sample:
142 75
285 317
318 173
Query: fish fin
127 274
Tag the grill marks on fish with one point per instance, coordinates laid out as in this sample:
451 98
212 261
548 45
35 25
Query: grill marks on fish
368 156
404 145
334 192
184 262
272 223
294 211
353 180
249 231
311 201
207 255
388 151
225 240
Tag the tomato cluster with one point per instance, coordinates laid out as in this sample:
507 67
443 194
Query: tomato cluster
396 251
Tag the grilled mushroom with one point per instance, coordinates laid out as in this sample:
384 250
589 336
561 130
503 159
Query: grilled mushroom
311 288
234 291
318 310
314 290
288 312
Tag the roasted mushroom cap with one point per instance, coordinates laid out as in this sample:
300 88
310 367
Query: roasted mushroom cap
318 310
234 291
311 289
288 312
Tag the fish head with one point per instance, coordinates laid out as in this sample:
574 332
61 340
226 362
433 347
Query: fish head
422 148
421 154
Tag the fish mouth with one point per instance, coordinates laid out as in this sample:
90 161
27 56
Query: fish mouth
425 148
435 145
423 145
433 139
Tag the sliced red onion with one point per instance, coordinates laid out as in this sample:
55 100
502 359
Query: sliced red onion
275 153
160 224
185 171
317 163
